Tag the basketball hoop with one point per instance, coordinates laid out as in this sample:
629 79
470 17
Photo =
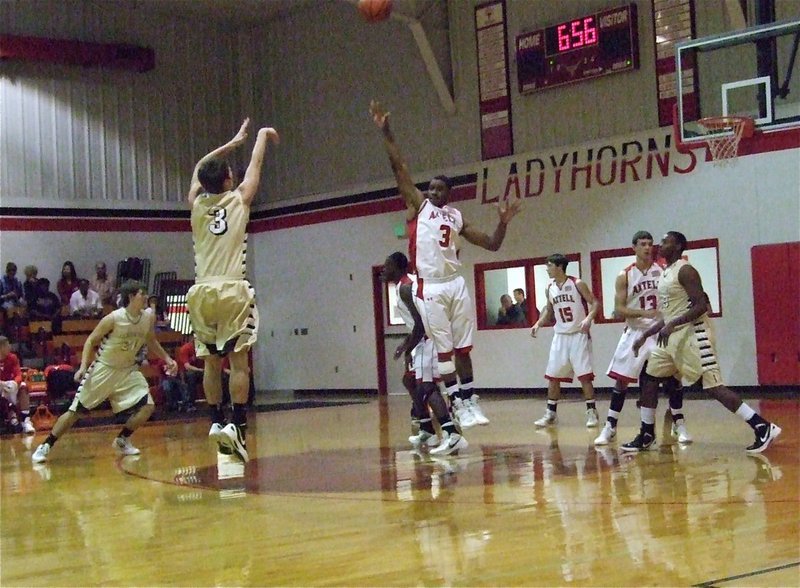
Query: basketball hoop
730 130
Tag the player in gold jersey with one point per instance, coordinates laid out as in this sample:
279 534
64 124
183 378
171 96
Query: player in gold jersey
221 303
685 348
114 374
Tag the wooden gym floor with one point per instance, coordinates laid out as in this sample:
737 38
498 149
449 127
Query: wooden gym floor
334 496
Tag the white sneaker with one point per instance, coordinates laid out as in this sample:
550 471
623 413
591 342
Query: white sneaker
680 433
450 444
550 418
27 426
233 439
592 420
124 447
463 413
606 435
40 455
215 434
477 413
424 438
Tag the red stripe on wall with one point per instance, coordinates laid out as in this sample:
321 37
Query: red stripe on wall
459 193
97 225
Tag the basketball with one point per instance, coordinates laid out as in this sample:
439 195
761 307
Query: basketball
375 10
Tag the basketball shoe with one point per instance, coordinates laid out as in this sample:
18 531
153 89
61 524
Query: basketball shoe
463 413
549 419
450 444
606 435
124 447
424 438
40 455
215 434
478 416
680 433
592 419
642 442
232 438
765 435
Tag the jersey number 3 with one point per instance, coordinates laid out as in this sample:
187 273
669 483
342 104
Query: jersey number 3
219 225
445 240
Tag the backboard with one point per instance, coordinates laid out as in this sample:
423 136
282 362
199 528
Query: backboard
752 72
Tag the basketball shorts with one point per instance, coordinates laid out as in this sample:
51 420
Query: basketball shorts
625 366
690 354
122 387
570 355
224 316
448 314
426 368
9 390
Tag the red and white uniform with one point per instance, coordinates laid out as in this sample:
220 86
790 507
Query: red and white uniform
433 251
10 377
571 350
423 355
642 295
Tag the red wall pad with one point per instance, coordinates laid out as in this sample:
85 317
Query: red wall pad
71 52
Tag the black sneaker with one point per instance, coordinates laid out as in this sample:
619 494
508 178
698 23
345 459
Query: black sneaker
765 434
643 442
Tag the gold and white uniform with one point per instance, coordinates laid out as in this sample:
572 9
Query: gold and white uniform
221 304
690 352
114 374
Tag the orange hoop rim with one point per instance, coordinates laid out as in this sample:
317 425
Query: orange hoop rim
742 126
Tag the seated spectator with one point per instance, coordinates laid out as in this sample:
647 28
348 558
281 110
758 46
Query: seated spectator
13 388
102 284
68 282
12 296
176 392
161 323
85 302
46 306
522 304
190 368
508 313
29 285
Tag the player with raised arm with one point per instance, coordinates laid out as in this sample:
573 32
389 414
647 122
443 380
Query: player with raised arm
114 373
221 303
685 348
436 229
636 300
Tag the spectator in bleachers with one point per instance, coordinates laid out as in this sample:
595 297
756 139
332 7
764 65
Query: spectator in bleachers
13 388
190 367
68 282
102 284
11 293
46 305
29 288
85 302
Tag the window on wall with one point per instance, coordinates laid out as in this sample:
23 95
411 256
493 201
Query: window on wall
392 314
500 286
607 264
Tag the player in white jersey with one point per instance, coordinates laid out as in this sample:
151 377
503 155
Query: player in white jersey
636 300
686 349
221 304
114 374
574 306
426 391
435 230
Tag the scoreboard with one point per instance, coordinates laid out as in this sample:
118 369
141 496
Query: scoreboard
594 45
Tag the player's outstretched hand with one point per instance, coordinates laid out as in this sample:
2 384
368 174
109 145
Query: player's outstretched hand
509 210
271 134
379 116
241 136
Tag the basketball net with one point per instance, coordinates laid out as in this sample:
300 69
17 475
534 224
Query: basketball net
724 146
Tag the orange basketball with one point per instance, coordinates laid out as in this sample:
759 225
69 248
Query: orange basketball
375 10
